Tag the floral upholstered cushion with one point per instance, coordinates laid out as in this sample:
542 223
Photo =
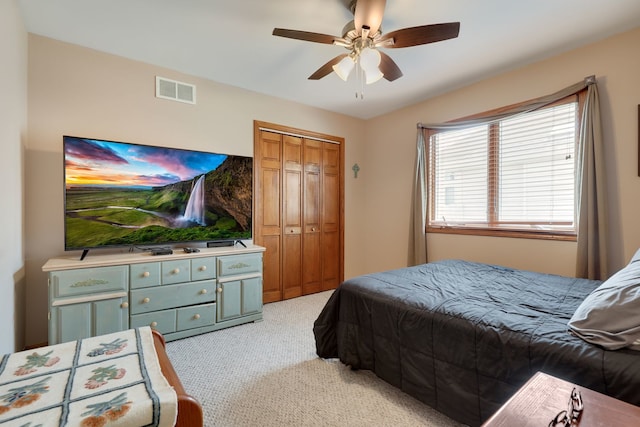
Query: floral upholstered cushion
112 379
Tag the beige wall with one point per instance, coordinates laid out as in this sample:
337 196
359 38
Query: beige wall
13 128
82 92
391 153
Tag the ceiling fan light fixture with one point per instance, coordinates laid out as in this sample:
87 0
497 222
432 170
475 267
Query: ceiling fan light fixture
372 76
344 67
370 62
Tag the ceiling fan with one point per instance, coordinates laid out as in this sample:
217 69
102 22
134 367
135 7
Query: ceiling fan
363 36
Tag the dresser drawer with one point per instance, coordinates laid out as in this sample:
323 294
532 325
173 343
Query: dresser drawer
145 275
177 271
197 316
203 268
239 264
162 321
168 296
89 281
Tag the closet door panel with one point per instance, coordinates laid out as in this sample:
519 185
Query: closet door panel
292 267
331 211
270 202
312 264
268 211
270 149
311 241
312 174
330 260
271 283
292 225
331 255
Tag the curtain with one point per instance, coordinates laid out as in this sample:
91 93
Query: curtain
590 193
418 245
590 185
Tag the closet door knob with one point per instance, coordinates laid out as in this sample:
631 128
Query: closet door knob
124 305
219 290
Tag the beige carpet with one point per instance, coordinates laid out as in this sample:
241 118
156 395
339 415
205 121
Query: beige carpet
267 374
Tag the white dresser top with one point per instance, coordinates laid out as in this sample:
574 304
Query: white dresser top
96 259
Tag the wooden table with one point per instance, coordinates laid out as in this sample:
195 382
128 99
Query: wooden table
543 396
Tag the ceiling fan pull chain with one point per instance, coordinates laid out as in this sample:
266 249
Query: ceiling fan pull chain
357 78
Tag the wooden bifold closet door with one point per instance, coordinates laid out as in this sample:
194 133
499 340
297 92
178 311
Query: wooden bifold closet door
298 210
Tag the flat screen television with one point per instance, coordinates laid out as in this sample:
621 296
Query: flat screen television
124 194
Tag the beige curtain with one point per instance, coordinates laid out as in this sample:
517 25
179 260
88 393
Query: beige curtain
418 245
590 187
590 193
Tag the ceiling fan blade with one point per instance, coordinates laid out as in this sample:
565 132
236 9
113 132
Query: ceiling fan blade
326 68
389 68
424 34
304 35
368 13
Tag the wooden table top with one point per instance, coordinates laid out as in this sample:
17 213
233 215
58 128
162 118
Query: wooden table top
543 396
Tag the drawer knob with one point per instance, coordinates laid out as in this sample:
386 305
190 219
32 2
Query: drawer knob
313 229
146 300
146 274
124 305
196 316
203 268
219 290
154 324
204 291
176 271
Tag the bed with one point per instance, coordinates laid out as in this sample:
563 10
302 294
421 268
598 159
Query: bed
124 378
462 337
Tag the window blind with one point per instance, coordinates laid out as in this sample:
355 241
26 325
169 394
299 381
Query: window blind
517 173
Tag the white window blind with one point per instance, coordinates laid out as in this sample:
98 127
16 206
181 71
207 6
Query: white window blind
516 174
461 161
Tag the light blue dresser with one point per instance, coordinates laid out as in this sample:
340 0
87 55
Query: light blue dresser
179 295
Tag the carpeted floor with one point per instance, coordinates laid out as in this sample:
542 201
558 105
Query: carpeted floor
267 374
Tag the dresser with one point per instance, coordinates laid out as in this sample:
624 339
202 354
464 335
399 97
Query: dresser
179 295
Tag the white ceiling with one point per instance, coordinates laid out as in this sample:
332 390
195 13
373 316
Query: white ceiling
230 41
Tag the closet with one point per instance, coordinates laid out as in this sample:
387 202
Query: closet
298 210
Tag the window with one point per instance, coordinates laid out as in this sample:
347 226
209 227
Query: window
515 176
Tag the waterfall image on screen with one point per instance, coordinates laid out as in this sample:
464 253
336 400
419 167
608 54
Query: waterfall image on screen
129 194
195 206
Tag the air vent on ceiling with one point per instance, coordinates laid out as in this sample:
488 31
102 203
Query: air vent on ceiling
174 90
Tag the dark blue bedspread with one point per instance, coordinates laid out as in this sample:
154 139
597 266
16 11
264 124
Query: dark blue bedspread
462 337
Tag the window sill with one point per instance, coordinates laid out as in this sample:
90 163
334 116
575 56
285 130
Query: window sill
472 231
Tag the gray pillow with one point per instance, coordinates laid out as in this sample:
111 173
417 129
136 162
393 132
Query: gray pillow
610 315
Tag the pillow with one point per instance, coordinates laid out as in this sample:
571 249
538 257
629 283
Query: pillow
610 315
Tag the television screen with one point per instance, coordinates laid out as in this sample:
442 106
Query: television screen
122 194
